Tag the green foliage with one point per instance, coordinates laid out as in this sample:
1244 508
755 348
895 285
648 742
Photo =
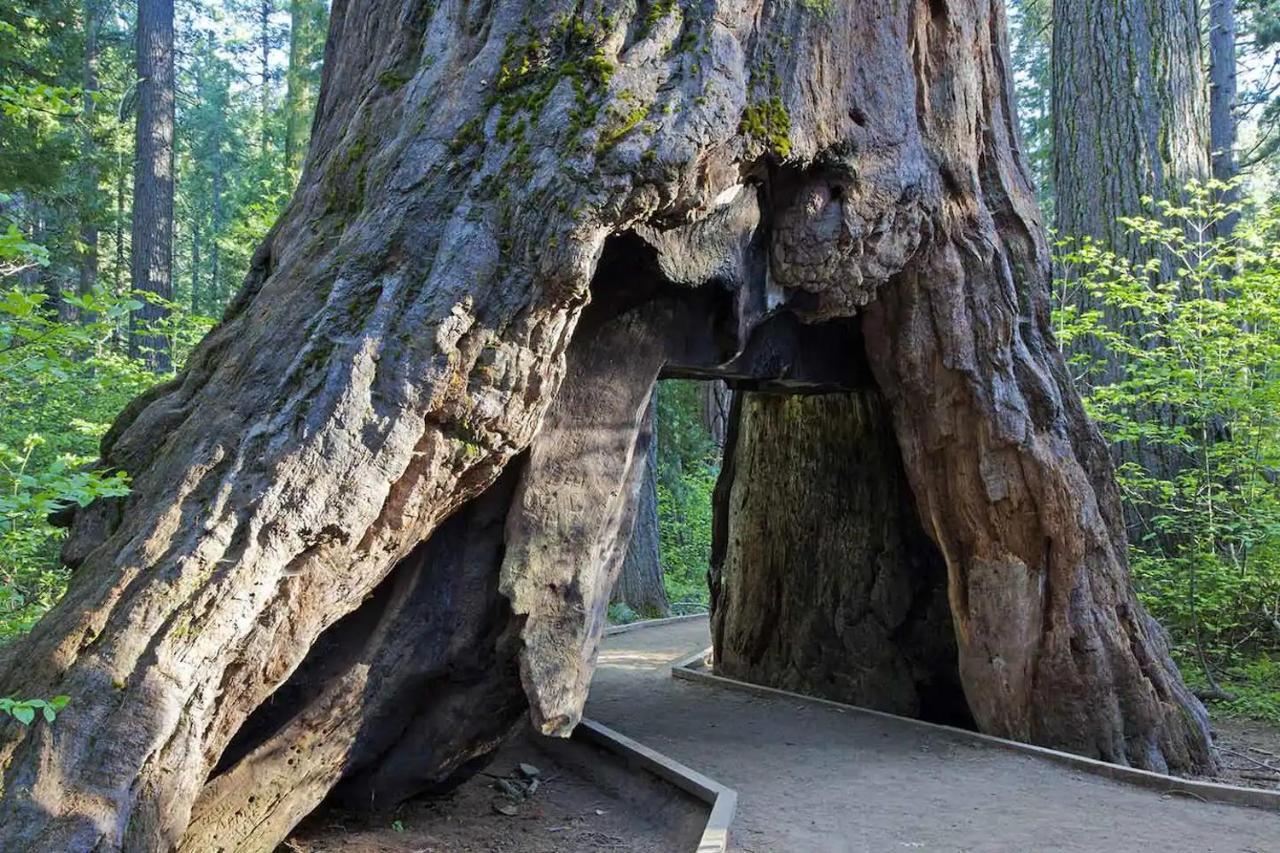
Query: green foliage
658 10
1252 683
66 133
38 91
24 710
63 380
821 8
1196 333
688 463
621 614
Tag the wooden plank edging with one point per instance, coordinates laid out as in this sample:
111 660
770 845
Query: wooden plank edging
1213 792
723 800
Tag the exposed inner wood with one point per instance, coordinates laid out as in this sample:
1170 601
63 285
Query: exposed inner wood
825 582
442 302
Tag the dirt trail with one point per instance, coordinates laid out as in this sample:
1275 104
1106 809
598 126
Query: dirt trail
812 779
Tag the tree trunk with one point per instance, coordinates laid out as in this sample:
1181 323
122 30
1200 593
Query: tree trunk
306 42
1129 112
1222 87
217 296
89 197
640 584
196 304
419 318
716 402
1222 100
152 237
264 91
825 582
117 271
1129 123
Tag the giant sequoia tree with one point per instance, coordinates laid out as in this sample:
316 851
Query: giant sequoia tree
377 517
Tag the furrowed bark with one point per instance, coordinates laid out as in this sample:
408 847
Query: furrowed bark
151 264
476 176
639 583
825 582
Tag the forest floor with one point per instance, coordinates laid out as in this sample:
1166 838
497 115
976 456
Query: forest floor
819 779
570 811
1250 752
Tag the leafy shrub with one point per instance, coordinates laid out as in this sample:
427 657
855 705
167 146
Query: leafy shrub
1179 362
64 375
688 463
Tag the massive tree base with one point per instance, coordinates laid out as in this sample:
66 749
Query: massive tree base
379 513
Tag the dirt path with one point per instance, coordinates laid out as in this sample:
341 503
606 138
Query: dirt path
816 779
570 811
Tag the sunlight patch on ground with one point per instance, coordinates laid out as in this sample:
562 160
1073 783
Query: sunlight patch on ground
633 660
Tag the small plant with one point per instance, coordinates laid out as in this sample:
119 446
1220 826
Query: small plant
621 614
768 122
24 710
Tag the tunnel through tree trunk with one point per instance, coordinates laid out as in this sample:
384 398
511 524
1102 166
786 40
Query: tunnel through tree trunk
418 319
826 584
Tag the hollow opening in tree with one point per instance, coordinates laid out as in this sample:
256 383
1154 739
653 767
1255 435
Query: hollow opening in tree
823 578
379 515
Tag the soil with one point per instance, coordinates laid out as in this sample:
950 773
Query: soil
817 779
569 812
1250 753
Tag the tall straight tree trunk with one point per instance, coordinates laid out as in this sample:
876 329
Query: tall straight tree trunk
462 314
117 272
89 198
716 403
1130 123
640 585
47 278
1222 98
1129 110
217 298
306 38
1222 87
196 304
264 47
152 237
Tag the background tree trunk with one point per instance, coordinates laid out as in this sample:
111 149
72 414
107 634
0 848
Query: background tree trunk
1130 123
90 202
1129 113
418 319
196 303
826 583
1222 100
640 584
306 46
1222 87
716 403
152 235
265 8
217 294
